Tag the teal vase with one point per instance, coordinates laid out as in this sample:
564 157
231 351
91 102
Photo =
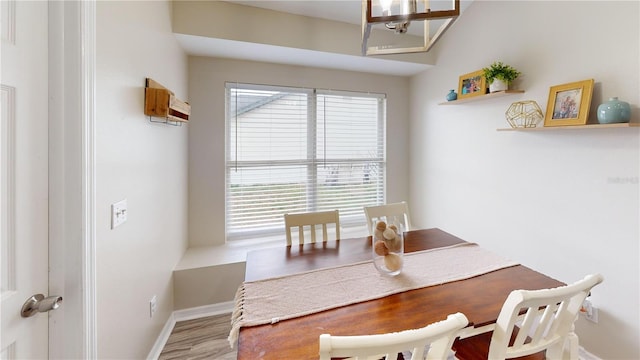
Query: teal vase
614 111
452 95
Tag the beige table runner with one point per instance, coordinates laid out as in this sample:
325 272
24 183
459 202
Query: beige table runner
286 297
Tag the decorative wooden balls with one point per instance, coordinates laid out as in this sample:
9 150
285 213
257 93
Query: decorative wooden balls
524 114
380 248
385 242
393 262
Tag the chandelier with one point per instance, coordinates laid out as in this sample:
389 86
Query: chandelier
397 16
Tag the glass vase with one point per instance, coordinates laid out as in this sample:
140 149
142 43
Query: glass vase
388 247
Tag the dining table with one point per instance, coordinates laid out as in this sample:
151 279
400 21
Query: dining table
479 298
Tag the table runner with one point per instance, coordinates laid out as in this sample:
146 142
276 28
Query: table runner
280 298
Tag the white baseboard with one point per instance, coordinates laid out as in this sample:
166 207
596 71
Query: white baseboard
202 311
183 315
583 354
157 347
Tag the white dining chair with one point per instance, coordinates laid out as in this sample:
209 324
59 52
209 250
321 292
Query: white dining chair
547 324
391 213
439 335
311 220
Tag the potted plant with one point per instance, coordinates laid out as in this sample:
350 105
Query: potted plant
499 76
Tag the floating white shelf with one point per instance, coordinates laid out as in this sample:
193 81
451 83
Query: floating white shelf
575 127
483 97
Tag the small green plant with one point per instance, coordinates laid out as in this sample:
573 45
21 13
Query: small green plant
501 71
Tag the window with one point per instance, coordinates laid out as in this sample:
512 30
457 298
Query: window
294 150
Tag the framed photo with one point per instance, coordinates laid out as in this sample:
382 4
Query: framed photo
472 84
569 104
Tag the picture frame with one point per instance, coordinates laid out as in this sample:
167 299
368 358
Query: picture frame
472 84
569 104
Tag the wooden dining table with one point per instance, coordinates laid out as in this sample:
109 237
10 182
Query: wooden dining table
480 298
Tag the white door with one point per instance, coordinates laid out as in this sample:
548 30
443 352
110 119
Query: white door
24 181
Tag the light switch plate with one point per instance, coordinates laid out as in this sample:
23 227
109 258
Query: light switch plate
118 213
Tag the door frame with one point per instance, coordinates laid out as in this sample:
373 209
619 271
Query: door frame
72 186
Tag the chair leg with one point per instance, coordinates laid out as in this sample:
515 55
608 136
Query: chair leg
571 347
566 350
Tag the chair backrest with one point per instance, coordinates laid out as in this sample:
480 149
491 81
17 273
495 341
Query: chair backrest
396 212
311 219
546 324
440 335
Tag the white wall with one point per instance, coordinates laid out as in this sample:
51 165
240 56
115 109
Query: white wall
145 163
207 77
562 202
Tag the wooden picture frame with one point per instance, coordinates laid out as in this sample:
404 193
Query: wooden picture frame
472 84
569 104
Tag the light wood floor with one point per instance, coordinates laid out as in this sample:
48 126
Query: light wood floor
204 338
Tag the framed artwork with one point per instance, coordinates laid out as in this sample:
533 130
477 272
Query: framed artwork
569 104
472 84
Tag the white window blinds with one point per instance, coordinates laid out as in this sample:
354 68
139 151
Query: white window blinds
295 150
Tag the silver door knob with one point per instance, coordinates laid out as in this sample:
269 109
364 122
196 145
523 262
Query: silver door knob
39 303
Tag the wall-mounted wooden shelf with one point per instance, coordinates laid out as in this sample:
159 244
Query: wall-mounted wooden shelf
483 97
576 127
161 102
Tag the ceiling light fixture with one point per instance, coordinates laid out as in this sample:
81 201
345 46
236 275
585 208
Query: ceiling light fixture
397 15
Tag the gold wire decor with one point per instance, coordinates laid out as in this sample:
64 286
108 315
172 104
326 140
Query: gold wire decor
524 114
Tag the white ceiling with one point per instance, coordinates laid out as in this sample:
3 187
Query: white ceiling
348 11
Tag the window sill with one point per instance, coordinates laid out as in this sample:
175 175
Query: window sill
236 251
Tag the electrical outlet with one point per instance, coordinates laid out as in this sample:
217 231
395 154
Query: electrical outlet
152 306
589 311
593 317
